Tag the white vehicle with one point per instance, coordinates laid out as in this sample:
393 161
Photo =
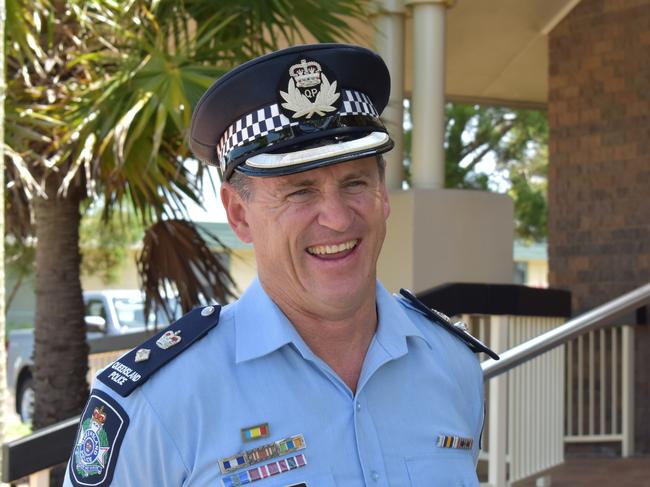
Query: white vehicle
107 312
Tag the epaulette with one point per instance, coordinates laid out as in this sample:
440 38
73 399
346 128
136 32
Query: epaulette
136 367
459 329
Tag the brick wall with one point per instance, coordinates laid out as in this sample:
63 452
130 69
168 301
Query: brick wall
599 172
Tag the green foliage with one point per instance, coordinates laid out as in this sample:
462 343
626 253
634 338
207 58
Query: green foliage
18 325
101 95
529 192
105 244
99 100
17 429
516 140
19 265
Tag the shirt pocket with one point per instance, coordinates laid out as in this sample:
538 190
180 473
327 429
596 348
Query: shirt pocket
445 468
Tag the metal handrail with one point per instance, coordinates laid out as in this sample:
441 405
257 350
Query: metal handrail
597 317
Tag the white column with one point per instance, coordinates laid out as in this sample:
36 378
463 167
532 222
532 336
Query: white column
627 404
389 42
428 97
40 479
497 408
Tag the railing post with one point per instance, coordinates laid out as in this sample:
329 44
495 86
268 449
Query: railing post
627 404
498 408
40 479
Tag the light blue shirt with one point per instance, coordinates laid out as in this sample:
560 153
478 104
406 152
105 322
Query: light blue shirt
420 389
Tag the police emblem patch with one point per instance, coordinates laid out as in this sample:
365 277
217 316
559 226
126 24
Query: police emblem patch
101 430
309 91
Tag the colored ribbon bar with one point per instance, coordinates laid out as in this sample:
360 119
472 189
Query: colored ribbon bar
255 432
456 442
262 453
264 471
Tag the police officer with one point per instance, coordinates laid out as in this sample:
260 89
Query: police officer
316 376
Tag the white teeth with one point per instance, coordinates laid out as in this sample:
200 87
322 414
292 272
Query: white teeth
332 249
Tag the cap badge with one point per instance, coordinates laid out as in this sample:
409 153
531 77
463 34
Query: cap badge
309 91
169 339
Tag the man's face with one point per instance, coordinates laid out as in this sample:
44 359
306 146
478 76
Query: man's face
316 234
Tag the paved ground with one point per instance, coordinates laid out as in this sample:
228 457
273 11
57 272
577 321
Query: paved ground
600 472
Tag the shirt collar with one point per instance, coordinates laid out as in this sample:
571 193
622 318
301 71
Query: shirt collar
261 326
394 324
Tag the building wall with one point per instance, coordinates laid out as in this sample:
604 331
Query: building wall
446 235
599 172
243 268
537 273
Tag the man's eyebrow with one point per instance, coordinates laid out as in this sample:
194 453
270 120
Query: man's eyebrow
305 182
356 175
297 183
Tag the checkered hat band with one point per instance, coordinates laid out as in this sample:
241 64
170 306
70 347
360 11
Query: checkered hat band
269 119
357 103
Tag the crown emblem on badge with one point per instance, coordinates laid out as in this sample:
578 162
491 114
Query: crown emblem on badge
99 416
92 447
168 339
306 74
309 91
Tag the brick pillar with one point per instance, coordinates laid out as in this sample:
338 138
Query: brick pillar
599 172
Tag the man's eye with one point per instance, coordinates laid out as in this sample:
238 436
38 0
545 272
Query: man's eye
299 195
357 184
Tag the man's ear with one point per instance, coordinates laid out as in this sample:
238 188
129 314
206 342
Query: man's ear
235 208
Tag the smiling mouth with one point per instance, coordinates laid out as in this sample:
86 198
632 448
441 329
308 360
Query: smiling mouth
322 250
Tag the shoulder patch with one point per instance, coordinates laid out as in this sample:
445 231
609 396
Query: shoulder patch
460 330
134 368
97 444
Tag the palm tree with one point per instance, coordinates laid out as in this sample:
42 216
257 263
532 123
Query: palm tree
100 95
3 361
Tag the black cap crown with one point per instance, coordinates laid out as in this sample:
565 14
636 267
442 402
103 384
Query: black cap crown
294 110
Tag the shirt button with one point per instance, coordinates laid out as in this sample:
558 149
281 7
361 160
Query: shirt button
374 475
358 406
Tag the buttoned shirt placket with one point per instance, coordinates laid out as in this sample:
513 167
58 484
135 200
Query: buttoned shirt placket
388 344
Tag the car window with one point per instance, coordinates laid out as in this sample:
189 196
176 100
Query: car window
130 313
95 307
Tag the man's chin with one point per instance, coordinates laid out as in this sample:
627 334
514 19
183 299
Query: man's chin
343 295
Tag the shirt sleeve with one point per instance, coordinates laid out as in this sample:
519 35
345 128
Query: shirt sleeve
121 441
480 419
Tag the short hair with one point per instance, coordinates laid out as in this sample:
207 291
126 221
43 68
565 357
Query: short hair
242 182
381 166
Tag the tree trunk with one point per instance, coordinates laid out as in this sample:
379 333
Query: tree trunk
60 348
3 356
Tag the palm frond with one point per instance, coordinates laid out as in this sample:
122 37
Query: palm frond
176 256
102 91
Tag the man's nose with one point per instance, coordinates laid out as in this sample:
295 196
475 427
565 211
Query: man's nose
334 212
